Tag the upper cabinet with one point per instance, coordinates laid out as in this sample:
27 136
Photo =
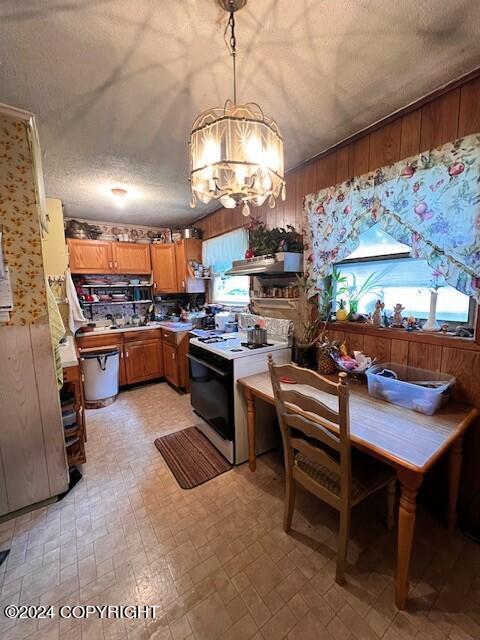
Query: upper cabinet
186 251
129 257
164 268
90 256
170 265
101 256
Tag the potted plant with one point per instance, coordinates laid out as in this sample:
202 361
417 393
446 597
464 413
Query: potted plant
264 241
336 284
355 293
307 326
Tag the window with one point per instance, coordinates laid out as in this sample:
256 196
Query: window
399 278
218 254
231 290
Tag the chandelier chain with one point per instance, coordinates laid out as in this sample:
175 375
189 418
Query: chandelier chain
232 47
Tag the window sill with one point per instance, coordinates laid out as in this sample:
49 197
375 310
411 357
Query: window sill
470 344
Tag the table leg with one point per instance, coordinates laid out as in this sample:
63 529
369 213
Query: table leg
410 481
454 468
252 458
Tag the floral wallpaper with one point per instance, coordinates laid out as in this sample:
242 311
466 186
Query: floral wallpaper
431 202
22 246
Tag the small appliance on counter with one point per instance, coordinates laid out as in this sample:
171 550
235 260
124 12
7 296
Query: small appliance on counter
231 327
222 318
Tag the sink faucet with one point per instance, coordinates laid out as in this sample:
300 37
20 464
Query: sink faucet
110 317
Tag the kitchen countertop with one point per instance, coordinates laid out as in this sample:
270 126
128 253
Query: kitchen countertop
171 326
68 353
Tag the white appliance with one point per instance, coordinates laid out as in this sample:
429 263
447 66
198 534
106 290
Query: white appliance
216 364
222 318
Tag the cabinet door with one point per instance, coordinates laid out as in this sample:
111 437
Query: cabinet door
185 251
129 257
170 363
143 360
164 268
89 256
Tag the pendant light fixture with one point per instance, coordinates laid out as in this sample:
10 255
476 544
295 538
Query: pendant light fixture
236 152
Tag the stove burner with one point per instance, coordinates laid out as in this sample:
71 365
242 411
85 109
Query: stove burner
212 340
257 346
236 349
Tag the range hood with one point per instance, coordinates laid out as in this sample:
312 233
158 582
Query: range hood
275 263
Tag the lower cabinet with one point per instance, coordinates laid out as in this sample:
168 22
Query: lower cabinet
170 361
146 355
143 360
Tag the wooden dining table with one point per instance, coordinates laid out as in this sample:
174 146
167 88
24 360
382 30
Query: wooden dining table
409 441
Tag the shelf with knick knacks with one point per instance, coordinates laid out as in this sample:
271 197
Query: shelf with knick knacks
105 291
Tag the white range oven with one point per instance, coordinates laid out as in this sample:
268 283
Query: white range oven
216 363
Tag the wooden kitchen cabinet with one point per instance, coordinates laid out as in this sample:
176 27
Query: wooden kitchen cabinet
89 256
175 362
100 256
146 355
185 251
170 266
143 360
164 268
129 257
170 362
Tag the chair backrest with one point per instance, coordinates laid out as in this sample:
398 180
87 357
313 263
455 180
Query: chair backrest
306 415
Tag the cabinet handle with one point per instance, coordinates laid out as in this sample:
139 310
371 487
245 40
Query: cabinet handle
183 284
126 354
121 354
116 264
110 264
173 355
154 285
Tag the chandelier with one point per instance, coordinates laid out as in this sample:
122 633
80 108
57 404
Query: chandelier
236 152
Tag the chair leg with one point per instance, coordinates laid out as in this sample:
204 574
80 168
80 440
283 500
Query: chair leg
391 491
343 536
290 492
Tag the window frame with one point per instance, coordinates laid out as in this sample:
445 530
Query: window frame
472 307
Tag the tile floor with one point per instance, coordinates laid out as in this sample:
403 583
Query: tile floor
215 558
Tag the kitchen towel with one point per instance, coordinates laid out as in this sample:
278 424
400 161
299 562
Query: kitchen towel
76 319
57 331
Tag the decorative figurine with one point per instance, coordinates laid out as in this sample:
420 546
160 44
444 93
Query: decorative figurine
411 324
377 314
397 315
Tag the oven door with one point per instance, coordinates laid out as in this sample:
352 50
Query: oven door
211 393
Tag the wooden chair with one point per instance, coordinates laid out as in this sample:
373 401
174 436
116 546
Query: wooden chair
316 443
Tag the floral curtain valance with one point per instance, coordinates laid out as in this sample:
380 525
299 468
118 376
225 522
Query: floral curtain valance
430 202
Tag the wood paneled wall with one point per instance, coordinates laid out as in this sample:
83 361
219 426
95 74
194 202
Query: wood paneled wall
452 113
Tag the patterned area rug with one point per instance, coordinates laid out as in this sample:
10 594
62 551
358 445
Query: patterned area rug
191 458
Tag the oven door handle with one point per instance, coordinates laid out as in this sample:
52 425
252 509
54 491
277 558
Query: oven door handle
224 374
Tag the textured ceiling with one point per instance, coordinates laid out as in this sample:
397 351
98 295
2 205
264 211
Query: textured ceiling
116 84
